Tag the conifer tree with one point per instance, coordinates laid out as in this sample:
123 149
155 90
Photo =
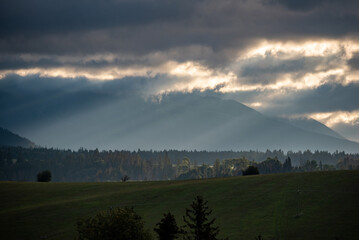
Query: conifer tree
167 228
287 165
198 222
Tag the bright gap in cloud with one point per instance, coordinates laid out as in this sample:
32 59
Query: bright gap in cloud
289 49
345 123
324 61
188 76
332 57
333 118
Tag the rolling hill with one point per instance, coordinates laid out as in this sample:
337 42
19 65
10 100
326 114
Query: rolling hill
245 207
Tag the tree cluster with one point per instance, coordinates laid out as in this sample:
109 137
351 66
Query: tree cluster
243 166
199 225
44 176
117 223
126 224
251 170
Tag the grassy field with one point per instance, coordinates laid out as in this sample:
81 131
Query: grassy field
244 206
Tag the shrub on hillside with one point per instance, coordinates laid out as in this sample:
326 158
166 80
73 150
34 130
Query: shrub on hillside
125 178
251 170
115 224
167 228
44 176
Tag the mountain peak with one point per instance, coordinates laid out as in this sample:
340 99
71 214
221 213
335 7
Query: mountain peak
178 121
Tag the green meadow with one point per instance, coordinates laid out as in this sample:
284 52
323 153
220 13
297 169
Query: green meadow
325 207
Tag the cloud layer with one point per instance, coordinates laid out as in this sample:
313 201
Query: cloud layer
282 57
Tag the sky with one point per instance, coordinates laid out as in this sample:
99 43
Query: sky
281 57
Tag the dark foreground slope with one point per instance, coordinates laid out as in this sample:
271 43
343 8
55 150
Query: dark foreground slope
244 206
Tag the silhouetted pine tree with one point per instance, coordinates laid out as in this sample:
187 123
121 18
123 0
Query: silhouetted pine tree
167 228
287 165
198 223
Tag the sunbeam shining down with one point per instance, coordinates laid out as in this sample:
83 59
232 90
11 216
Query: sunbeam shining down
120 101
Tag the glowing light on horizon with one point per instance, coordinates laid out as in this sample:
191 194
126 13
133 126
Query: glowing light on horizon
333 118
255 104
199 77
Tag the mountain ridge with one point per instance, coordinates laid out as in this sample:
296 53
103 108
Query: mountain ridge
312 125
101 116
8 138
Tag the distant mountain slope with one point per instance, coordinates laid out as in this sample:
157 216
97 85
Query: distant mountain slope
312 125
103 116
8 138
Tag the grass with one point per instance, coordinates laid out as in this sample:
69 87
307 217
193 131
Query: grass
328 203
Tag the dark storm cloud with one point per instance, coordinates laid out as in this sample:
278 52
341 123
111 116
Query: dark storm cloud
331 98
348 130
35 83
86 27
141 27
327 98
44 87
354 61
42 16
12 63
298 5
19 85
9 62
268 69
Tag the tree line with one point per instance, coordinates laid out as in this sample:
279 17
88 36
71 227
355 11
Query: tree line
209 157
243 166
23 164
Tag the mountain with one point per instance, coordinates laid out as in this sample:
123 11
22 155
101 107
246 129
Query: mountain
106 116
8 138
311 125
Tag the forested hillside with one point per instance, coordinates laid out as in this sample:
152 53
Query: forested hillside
22 164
